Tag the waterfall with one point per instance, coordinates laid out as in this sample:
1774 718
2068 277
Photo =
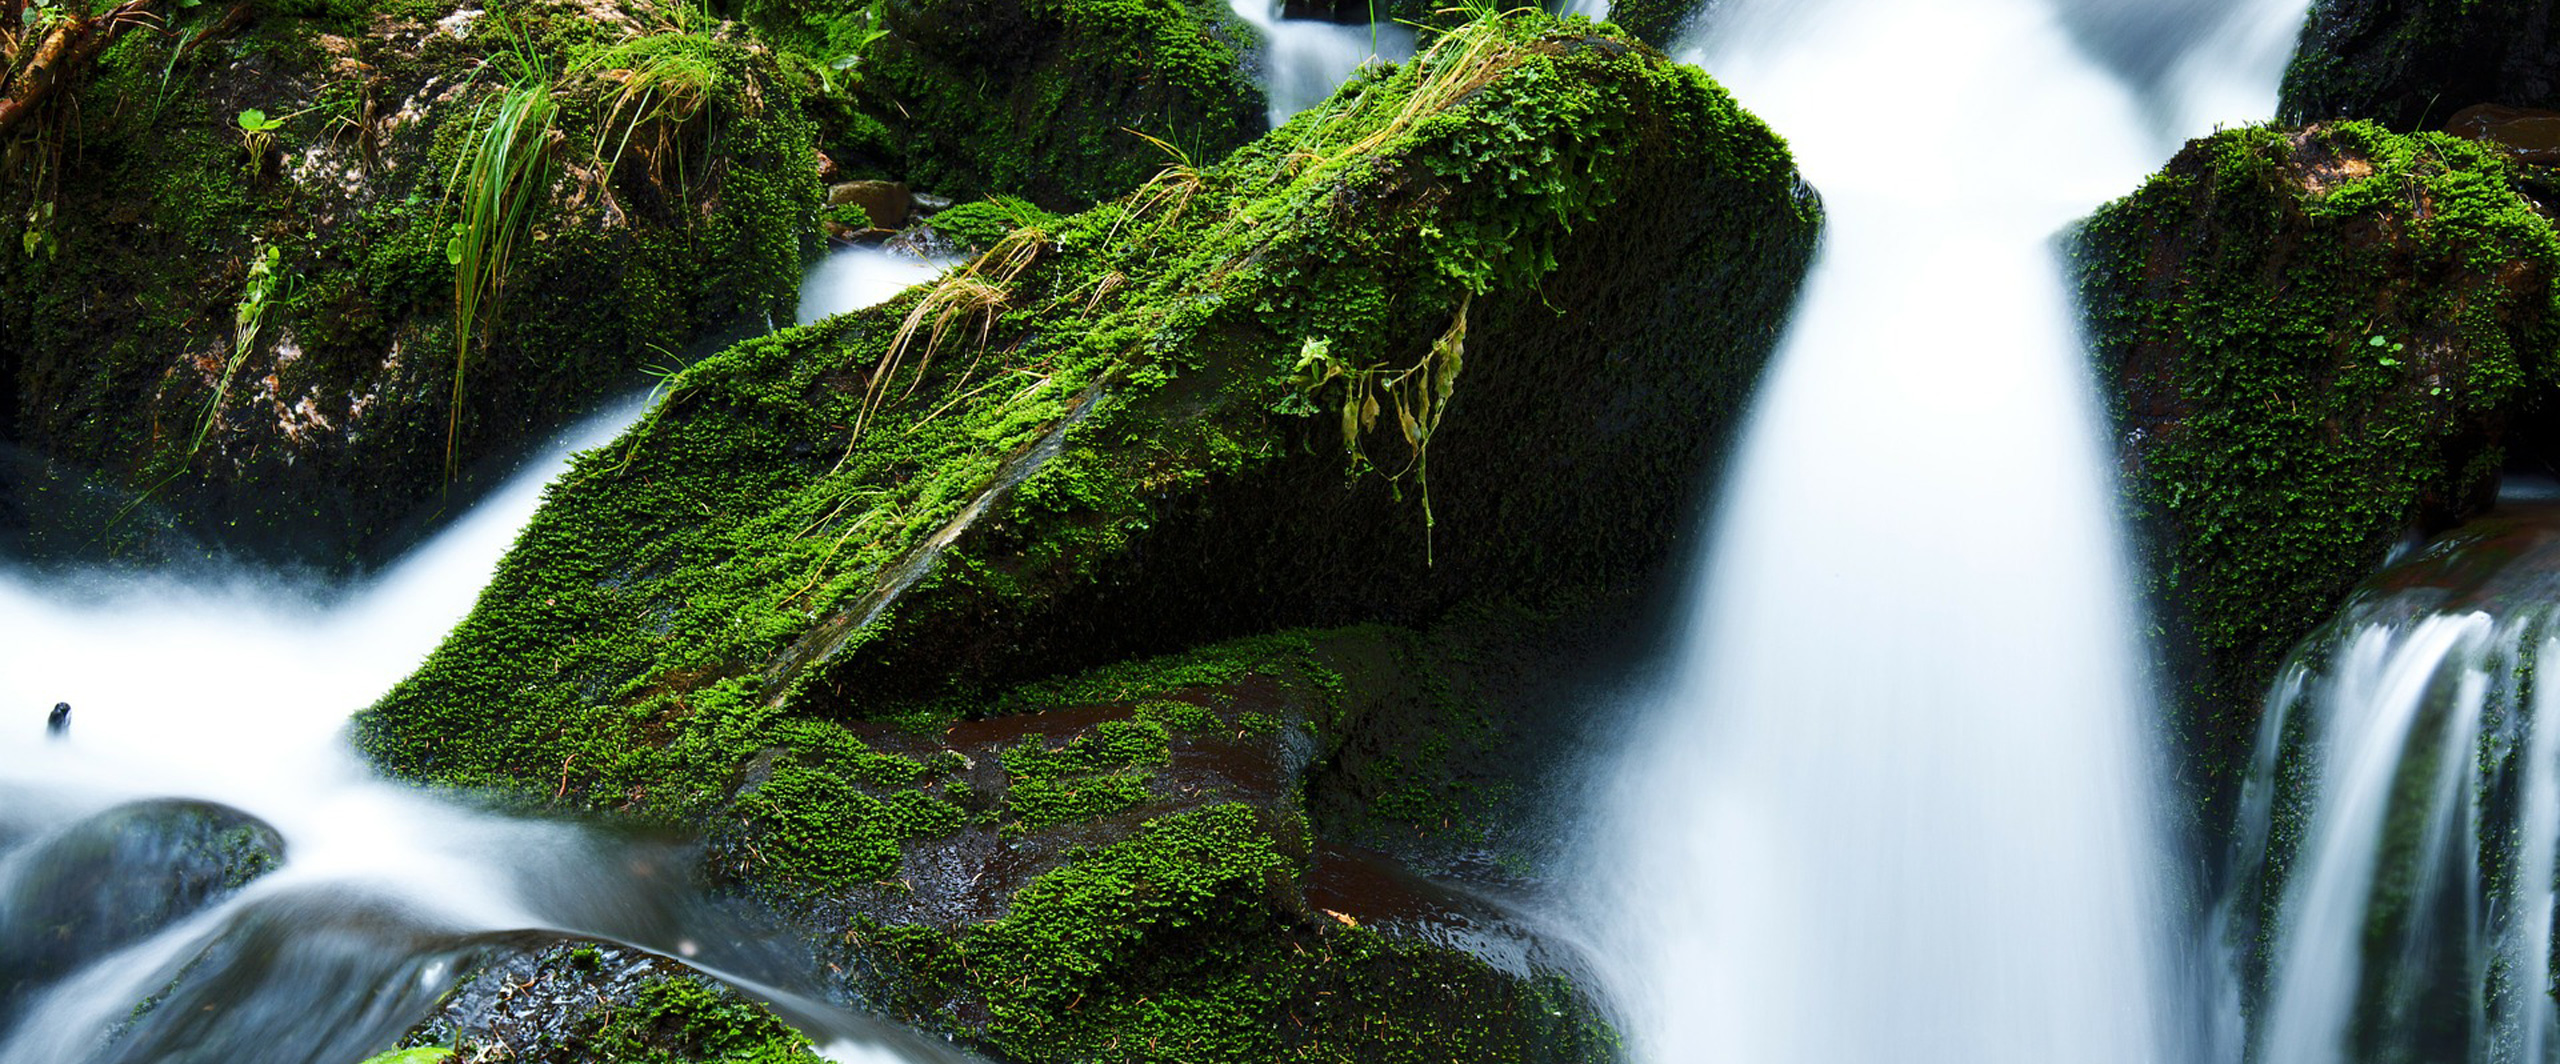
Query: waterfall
1894 800
1304 60
2392 894
235 687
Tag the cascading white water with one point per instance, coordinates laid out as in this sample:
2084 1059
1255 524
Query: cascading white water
2399 833
1894 800
237 688
1304 60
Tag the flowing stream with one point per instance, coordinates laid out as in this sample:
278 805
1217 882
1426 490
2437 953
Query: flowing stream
235 688
1895 799
1304 60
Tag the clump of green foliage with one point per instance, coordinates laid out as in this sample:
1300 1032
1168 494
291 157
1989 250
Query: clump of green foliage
2309 338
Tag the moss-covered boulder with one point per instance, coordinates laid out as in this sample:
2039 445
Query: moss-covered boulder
2312 341
1477 327
1472 333
2413 63
231 283
1658 22
1063 102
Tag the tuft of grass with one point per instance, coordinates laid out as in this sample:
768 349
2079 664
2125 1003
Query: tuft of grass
979 291
503 170
661 83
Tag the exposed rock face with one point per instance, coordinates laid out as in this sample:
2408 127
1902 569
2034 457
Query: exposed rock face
2412 63
2524 134
215 328
1473 332
117 877
2312 341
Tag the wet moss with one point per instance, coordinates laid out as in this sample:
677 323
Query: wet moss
2312 341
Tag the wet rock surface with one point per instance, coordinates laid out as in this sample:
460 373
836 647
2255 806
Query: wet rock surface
548 1001
117 877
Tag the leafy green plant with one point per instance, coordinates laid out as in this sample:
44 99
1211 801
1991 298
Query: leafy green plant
248 319
1418 395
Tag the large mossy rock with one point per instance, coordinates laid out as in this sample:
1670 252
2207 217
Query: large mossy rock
1138 442
1466 339
1052 100
232 328
2413 63
2312 342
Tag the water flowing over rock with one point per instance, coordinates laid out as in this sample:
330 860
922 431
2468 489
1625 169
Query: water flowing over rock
115 878
2394 856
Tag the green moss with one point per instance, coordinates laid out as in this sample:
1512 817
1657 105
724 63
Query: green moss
2310 338
1183 943
2410 64
681 1020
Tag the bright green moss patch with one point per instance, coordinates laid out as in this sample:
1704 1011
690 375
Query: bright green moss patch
1187 942
2311 340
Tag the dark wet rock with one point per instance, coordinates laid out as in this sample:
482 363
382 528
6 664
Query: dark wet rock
2311 342
2525 134
196 340
117 877
572 1001
2411 64
1053 101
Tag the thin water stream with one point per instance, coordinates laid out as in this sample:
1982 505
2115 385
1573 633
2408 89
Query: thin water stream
1895 799
235 688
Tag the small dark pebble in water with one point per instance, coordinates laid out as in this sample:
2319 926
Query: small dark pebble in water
59 721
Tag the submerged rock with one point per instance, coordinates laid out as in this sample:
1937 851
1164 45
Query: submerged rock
2311 341
2410 64
237 295
118 877
1474 332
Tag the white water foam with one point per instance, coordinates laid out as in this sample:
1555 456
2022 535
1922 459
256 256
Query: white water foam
237 690
1304 60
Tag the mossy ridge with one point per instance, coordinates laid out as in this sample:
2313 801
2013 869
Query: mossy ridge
2311 341
1040 98
125 325
624 655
